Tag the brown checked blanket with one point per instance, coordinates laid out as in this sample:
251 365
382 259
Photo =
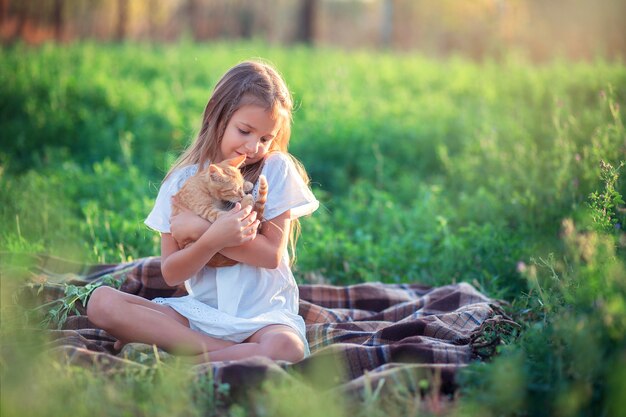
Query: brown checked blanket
368 334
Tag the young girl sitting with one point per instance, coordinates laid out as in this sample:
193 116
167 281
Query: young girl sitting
250 308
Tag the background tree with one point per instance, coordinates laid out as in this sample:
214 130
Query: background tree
387 23
194 24
122 20
57 19
4 11
307 21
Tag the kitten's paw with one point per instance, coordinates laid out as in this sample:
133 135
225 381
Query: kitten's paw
247 186
247 200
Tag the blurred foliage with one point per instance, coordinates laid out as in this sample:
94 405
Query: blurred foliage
460 168
569 358
90 213
478 29
428 171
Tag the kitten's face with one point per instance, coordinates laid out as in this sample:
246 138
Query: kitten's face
225 180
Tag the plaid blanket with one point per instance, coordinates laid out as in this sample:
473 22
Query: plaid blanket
366 333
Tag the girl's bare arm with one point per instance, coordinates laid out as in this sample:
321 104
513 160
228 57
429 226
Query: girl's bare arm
264 251
178 265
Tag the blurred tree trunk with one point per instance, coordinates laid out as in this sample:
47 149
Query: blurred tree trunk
152 10
122 19
57 19
22 17
192 15
386 28
4 11
307 21
246 21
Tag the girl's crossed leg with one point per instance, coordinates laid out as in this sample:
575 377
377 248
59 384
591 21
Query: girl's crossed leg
276 341
132 318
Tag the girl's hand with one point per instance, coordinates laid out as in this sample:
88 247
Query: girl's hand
234 227
187 227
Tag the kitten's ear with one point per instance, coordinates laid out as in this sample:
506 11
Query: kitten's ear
215 171
237 161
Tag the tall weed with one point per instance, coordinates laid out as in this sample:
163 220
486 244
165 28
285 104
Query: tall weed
567 361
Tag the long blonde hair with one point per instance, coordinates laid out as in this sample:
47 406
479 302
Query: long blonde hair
250 82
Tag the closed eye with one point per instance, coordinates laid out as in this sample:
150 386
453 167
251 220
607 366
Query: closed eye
243 132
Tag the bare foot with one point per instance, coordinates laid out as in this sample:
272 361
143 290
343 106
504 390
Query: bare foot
119 344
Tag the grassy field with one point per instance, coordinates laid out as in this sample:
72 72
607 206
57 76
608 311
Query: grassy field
502 174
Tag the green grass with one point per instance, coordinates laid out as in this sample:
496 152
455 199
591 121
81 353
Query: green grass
431 171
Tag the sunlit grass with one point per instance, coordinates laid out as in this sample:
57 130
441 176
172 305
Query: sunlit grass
431 171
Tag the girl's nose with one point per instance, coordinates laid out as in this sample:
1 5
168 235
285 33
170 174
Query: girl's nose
252 146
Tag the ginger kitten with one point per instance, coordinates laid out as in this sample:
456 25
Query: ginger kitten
214 191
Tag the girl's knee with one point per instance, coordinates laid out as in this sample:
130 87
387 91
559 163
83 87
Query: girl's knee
285 346
101 304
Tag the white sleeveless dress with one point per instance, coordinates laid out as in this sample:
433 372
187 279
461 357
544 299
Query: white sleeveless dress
232 303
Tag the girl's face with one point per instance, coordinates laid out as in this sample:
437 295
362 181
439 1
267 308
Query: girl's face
249 132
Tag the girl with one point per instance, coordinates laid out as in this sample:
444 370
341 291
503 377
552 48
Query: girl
250 308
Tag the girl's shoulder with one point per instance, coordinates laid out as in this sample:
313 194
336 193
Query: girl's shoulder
278 162
287 188
277 157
